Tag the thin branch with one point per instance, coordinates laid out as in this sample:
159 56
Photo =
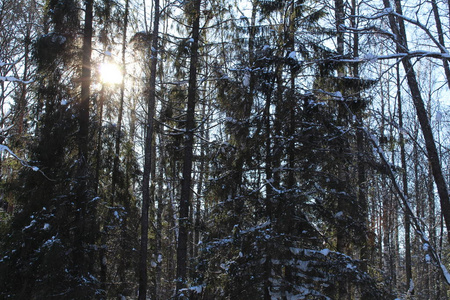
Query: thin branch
22 162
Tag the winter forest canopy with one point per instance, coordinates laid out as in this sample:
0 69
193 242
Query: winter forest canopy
224 149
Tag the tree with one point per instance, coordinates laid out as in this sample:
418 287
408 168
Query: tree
276 149
51 207
148 192
185 195
398 27
264 235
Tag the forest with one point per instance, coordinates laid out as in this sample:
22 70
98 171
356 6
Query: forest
224 149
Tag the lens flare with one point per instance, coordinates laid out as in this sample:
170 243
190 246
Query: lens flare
110 73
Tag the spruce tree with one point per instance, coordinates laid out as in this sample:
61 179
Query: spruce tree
51 240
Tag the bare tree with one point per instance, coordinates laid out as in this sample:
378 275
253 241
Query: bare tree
397 25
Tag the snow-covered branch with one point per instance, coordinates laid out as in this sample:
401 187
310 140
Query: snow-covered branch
424 28
389 11
14 79
444 54
397 56
369 29
4 148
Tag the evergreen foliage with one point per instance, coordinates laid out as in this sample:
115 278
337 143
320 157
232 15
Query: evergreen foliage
262 149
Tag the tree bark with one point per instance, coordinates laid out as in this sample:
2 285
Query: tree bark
183 225
116 160
146 191
84 235
116 163
408 265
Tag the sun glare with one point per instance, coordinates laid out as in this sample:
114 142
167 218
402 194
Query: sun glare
110 73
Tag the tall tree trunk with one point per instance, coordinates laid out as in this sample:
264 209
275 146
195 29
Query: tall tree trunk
98 153
185 195
158 252
171 220
339 11
364 253
341 239
242 136
84 234
116 163
116 160
83 114
431 216
149 132
408 265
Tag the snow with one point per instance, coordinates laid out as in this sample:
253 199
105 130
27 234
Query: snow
58 38
14 79
370 57
446 274
303 265
339 215
411 286
46 226
325 251
293 55
197 289
25 164
51 241
30 225
338 95
246 80
95 199
438 116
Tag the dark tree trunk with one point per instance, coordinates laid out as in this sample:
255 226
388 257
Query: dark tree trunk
116 160
408 266
188 152
84 234
123 196
146 192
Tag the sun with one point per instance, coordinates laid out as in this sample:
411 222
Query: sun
110 73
